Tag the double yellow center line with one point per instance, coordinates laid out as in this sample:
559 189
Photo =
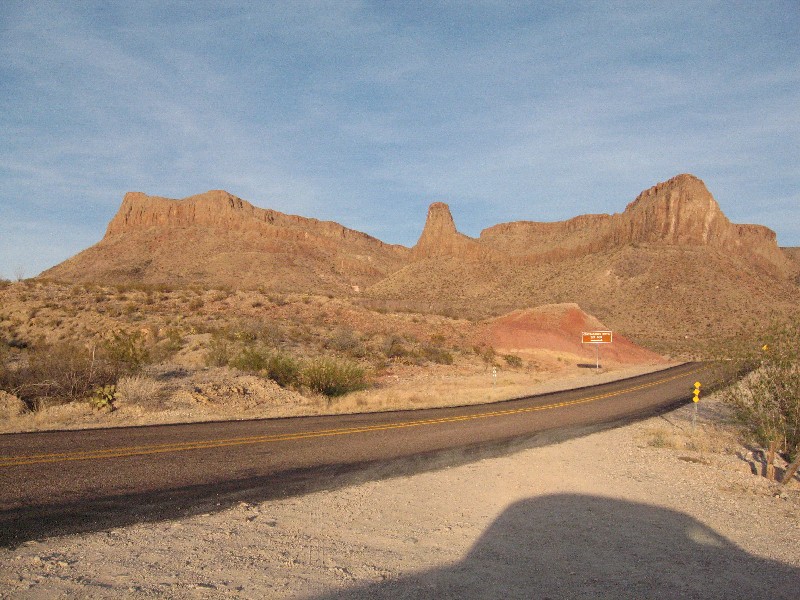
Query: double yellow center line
120 452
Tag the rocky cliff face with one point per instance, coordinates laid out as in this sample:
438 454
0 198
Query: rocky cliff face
217 238
677 212
440 238
218 209
681 211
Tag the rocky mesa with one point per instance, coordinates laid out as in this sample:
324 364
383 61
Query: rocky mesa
669 265
217 239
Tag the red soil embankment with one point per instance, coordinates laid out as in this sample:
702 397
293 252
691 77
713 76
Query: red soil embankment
558 328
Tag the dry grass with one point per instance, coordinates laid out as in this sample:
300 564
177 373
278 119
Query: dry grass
10 406
138 389
710 430
472 383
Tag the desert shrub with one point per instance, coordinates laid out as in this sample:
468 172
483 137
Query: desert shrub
280 367
173 342
126 352
393 347
278 300
219 352
487 354
346 341
6 375
59 373
246 331
513 361
332 377
437 355
221 294
11 406
283 370
272 333
766 400
249 330
251 359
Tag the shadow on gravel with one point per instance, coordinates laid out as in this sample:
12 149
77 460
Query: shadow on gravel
573 546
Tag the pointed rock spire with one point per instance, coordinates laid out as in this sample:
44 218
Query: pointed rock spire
440 236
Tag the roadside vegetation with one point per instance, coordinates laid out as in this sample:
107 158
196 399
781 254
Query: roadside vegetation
765 391
98 344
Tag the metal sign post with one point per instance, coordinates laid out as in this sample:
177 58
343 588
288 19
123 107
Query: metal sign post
597 338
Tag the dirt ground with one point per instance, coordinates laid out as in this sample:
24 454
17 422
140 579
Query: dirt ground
655 509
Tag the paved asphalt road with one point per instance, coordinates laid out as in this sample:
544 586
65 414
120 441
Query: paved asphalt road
75 481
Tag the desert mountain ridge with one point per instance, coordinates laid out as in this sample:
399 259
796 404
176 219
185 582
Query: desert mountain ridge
680 211
626 268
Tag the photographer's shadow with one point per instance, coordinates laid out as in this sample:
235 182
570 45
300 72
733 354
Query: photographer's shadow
573 546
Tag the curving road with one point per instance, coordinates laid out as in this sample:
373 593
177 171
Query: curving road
73 481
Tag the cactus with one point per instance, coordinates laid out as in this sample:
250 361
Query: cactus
103 398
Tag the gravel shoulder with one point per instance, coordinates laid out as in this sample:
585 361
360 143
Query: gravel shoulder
654 509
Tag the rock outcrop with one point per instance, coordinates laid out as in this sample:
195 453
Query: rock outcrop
440 238
677 212
218 209
217 239
681 211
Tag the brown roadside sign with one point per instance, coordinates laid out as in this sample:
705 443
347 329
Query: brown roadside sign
596 337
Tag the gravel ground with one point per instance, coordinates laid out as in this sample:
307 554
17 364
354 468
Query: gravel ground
650 510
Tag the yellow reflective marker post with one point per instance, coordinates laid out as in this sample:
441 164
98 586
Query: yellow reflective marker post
696 399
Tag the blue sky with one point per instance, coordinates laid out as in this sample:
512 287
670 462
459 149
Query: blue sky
366 112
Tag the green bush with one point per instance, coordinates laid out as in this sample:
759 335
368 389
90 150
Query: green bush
437 355
766 400
251 359
103 398
283 370
126 352
513 361
219 352
332 378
